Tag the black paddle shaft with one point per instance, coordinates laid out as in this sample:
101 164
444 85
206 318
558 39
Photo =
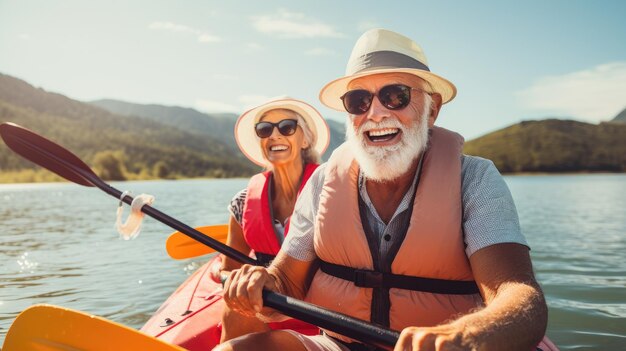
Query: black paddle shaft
338 322
178 225
57 159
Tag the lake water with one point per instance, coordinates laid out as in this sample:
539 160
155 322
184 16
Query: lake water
58 246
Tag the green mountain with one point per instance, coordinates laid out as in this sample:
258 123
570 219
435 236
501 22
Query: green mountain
554 146
218 126
337 136
118 147
621 117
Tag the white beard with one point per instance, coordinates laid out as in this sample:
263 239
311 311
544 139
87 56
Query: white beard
386 163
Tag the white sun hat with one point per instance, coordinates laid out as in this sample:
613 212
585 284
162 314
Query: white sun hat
249 143
383 51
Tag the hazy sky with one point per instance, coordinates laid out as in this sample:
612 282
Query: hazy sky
510 61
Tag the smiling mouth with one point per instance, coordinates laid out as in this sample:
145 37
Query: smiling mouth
382 135
278 148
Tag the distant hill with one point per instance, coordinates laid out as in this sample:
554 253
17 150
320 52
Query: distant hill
621 117
146 148
337 136
554 146
218 126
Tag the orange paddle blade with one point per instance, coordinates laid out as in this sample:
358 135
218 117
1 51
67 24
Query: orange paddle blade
179 246
52 328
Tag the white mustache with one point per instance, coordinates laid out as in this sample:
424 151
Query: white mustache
384 163
385 123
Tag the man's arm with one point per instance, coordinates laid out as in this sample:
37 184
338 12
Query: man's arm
514 318
286 275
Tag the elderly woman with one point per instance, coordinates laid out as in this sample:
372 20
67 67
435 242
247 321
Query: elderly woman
286 137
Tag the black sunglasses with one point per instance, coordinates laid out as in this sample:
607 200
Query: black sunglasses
393 97
286 127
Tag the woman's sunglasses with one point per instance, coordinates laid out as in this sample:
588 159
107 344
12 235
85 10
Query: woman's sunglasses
393 97
286 127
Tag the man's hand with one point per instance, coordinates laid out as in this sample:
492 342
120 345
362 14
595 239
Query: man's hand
515 312
446 337
244 287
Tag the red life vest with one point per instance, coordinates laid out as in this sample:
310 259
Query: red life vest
257 220
260 234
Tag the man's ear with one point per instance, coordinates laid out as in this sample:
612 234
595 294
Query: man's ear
435 107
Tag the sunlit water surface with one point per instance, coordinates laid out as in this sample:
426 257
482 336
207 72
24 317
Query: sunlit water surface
58 246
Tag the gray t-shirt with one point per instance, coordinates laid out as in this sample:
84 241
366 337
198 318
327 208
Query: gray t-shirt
489 214
236 205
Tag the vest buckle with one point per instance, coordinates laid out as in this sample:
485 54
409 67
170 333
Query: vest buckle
368 279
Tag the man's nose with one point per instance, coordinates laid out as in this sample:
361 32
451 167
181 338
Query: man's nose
377 111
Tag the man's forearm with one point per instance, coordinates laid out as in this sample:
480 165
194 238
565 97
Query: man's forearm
288 277
292 277
514 319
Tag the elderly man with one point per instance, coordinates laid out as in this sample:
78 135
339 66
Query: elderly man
399 227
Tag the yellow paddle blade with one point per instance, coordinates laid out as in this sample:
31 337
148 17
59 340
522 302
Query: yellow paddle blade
179 246
52 328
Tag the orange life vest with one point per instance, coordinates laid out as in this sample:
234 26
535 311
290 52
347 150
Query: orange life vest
433 247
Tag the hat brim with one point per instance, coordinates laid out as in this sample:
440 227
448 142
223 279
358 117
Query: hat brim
249 143
331 93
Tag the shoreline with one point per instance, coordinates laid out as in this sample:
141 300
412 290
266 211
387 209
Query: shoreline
558 173
510 174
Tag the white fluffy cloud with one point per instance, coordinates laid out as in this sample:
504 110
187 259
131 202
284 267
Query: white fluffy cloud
365 25
250 101
286 24
596 94
244 103
202 37
254 47
211 106
319 52
225 77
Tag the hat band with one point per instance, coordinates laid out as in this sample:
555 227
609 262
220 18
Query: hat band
384 59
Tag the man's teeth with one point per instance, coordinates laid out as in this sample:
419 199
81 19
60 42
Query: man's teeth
383 132
278 148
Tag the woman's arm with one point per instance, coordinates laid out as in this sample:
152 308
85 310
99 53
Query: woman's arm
236 241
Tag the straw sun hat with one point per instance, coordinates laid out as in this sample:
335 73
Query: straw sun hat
249 142
383 51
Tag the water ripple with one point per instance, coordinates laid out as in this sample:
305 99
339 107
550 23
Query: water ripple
575 225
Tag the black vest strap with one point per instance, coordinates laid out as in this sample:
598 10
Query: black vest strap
373 279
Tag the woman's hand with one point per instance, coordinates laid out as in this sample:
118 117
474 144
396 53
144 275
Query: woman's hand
244 287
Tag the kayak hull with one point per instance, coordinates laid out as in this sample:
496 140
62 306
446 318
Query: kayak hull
191 316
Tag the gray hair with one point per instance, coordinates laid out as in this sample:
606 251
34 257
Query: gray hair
309 155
